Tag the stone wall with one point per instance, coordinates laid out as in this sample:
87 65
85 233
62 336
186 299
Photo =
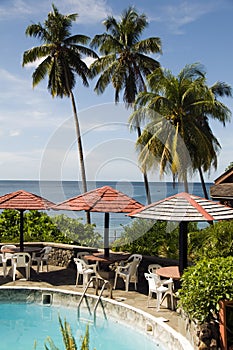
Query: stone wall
202 336
62 254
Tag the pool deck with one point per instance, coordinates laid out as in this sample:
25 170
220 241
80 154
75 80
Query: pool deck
64 278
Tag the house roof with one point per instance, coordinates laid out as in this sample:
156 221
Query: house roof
226 177
223 190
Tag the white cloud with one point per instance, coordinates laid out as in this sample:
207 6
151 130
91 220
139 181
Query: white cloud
89 11
34 64
15 163
14 133
15 8
184 12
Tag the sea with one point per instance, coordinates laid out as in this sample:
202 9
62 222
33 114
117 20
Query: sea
58 191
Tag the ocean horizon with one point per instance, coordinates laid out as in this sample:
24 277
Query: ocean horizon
58 191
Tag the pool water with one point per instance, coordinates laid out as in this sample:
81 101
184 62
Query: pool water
21 325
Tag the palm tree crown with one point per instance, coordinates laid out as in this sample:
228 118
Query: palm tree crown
63 53
124 63
178 135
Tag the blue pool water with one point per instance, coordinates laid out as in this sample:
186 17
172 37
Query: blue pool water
22 324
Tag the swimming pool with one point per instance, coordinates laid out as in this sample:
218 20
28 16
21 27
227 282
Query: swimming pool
28 315
23 324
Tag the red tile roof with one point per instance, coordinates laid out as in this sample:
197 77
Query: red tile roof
23 200
104 199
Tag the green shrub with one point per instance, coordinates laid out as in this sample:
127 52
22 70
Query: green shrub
149 237
214 241
39 227
77 232
203 285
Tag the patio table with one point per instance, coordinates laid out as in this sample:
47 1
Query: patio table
169 272
101 258
26 250
104 263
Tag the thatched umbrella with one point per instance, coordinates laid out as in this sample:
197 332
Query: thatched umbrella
22 200
183 208
103 200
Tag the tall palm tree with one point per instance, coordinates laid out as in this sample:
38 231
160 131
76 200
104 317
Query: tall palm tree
125 62
63 55
178 135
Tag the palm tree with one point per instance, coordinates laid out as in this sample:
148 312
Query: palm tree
125 62
63 60
178 135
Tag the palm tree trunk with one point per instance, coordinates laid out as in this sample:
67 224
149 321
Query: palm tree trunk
203 183
186 187
146 182
80 150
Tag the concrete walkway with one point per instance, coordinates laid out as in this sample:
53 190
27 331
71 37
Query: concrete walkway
64 278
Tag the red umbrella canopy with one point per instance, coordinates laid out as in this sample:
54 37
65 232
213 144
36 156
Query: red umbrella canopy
104 200
22 200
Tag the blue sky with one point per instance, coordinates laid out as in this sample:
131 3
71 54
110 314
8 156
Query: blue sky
37 139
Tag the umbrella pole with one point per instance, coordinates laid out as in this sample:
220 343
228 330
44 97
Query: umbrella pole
106 234
183 245
21 231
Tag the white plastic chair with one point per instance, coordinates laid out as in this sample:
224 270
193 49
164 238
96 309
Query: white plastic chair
6 256
128 272
3 264
80 255
153 267
84 270
42 258
21 260
159 288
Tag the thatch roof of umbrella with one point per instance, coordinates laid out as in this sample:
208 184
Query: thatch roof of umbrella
103 200
183 208
22 200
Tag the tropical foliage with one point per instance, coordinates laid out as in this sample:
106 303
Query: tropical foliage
75 231
152 238
178 136
212 242
68 338
124 61
62 55
39 227
204 285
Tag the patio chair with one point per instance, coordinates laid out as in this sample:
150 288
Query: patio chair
42 258
128 271
3 264
153 267
21 260
6 256
158 287
80 255
84 270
